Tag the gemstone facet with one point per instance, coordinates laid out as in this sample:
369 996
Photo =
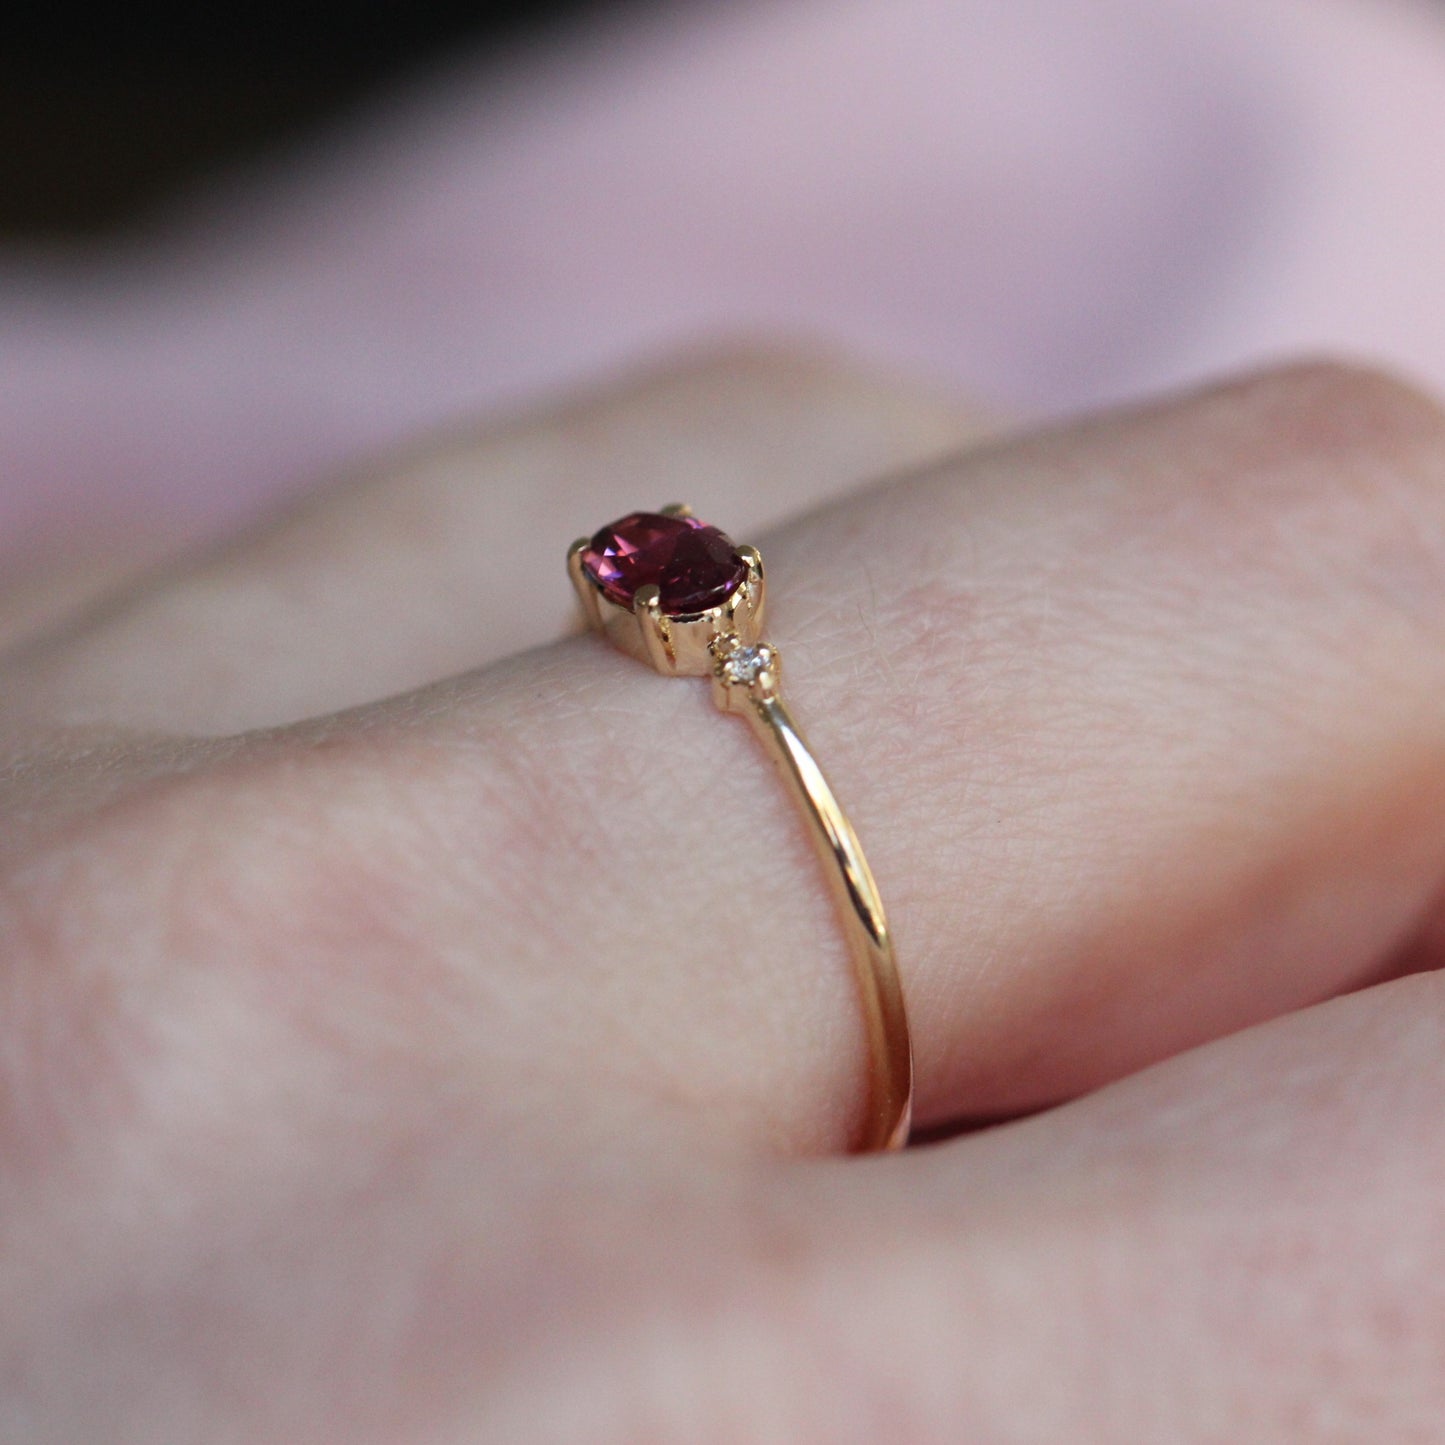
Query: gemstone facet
743 665
693 566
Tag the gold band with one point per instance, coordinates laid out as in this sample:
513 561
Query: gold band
724 641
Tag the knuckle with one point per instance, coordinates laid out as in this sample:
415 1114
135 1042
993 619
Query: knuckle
1341 407
1323 481
202 937
308 859
86 920
1340 426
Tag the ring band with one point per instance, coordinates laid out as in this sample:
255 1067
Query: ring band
675 593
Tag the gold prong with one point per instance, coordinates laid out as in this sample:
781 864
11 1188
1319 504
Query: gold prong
647 608
677 509
587 595
757 583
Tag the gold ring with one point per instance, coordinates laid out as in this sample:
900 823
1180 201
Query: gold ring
677 594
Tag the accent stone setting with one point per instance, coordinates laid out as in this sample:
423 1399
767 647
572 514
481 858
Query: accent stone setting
695 567
742 665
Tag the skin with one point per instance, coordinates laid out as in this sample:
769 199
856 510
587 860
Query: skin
393 1059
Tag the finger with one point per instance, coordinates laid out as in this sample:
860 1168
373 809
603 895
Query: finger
1164 758
427 564
1139 724
1244 1243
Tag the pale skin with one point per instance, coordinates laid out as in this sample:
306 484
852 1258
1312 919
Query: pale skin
415 1028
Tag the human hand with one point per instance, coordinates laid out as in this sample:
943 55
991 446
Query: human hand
467 1065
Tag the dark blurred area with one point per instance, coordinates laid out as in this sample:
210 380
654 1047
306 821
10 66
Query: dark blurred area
107 110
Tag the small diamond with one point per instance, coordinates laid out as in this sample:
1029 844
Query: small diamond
745 665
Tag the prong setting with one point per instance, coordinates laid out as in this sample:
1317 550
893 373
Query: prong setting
588 597
743 672
655 628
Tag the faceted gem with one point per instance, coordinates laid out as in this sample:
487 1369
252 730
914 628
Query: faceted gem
744 665
693 566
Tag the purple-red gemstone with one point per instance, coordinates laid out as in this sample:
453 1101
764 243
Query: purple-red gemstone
693 566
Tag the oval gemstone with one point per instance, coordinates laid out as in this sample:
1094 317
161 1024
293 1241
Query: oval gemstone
693 566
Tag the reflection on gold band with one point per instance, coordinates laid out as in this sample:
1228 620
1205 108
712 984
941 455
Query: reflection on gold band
861 911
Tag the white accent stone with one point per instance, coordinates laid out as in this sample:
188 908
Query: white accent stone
744 665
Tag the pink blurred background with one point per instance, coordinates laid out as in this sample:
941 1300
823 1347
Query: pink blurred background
1044 205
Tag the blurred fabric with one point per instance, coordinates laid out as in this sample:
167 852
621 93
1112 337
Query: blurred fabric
1047 205
109 107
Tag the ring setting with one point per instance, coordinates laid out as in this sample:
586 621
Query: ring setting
677 594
